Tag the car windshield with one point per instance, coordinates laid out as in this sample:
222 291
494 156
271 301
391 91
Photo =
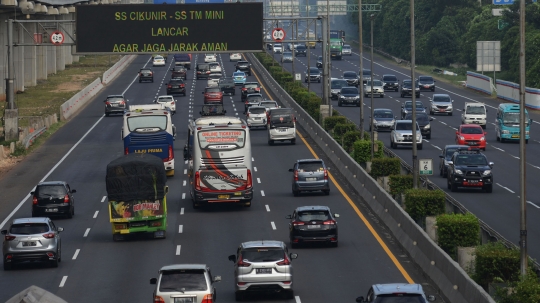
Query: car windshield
425 79
254 99
472 130
513 118
282 119
28 228
375 83
401 298
385 114
405 126
251 85
158 57
419 117
147 121
239 74
419 105
212 90
312 215
366 72
257 111
450 152
115 99
475 110
390 78
50 191
441 98
182 280
314 70
315 166
470 160
339 84
350 75
262 254
346 47
349 90
146 70
269 104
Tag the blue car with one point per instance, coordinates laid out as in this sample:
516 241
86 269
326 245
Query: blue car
239 78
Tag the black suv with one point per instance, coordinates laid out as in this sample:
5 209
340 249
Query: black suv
53 198
243 66
252 100
146 74
176 86
407 90
470 169
426 82
179 72
227 86
203 71
115 104
390 82
300 50
423 121
313 224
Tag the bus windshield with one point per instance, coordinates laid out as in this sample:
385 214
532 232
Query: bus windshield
215 139
150 121
513 118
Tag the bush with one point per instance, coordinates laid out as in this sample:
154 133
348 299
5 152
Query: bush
330 122
526 290
341 128
420 203
455 230
292 85
496 263
288 78
313 108
383 167
400 183
302 97
362 151
274 69
349 138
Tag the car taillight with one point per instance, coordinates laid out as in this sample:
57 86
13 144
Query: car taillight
48 235
66 199
150 74
244 89
126 151
258 89
325 174
329 222
249 181
207 299
247 115
295 175
122 102
182 85
170 155
172 103
9 238
298 223
197 181
169 86
285 261
241 262
158 299
34 200
107 103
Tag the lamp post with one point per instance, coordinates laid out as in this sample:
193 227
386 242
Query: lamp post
361 80
371 17
413 93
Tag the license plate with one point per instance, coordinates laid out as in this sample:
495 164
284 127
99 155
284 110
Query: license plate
515 136
263 270
223 196
51 210
426 86
314 226
311 179
184 300
32 243
476 122
473 181
471 143
282 130
257 118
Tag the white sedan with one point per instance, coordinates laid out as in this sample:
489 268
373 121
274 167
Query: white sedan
168 101
210 58
215 67
378 88
213 79
269 104
158 61
235 57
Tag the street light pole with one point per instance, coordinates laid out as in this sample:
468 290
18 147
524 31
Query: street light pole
413 93
522 138
371 82
361 80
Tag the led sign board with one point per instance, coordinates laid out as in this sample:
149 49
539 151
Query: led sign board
169 28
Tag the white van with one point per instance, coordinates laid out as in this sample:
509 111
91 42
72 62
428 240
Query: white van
278 48
474 113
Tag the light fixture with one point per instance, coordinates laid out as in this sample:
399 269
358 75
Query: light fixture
71 9
63 10
27 7
9 2
40 8
93 3
52 11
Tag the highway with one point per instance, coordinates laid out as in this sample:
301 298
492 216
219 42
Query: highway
96 269
500 209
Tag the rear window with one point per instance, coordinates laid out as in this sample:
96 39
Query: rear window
349 91
269 104
381 114
251 85
29 228
269 254
366 72
50 191
222 137
257 111
254 99
213 90
182 280
310 166
400 298
314 215
115 99
203 66
165 99
350 74
338 84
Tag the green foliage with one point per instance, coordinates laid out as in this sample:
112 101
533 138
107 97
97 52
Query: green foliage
302 97
420 203
400 183
349 138
274 69
455 230
526 290
362 151
496 263
313 107
341 128
383 167
286 78
330 122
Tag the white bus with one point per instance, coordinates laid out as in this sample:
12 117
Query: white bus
219 152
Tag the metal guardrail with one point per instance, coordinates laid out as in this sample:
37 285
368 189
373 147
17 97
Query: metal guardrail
30 138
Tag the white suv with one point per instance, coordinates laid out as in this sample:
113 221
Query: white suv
474 113
402 134
210 58
168 101
185 283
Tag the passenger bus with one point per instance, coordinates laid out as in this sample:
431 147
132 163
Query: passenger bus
220 169
507 123
150 131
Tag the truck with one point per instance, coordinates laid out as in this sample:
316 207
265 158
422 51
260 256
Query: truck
336 48
312 39
337 34
136 192
182 60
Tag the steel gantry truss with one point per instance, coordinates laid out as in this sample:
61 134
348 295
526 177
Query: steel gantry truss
286 8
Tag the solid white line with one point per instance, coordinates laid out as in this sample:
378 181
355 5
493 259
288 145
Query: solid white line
267 208
182 211
63 282
178 247
183 196
96 213
262 193
255 168
530 202
273 225
443 123
185 171
252 159
258 180
180 228
76 254
436 147
86 232
498 148
103 199
184 183
508 189
514 156
297 299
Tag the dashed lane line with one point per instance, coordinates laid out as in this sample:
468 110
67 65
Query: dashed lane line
63 282
103 199
273 225
508 189
182 211
95 214
76 254
180 229
267 207
262 193
86 232
178 248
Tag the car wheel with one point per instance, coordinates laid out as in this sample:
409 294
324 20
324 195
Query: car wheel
106 114
238 296
289 294
152 80
8 266
326 192
270 142
453 187
497 137
448 182
431 112
293 141
440 172
433 89
488 188
526 142
401 95
293 245
418 96
334 244
450 114
140 81
428 137
54 263
295 193
69 215
196 205
393 145
358 104
420 146
319 81
382 96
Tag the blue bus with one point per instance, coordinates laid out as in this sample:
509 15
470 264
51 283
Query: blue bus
150 131
507 123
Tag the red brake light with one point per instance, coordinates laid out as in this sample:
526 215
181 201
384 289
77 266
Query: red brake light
108 103
172 103
197 181
325 174
297 223
34 200
49 235
285 261
295 175
249 181
126 151
9 238
170 155
207 299
158 299
329 222
66 199
241 262
247 115
122 102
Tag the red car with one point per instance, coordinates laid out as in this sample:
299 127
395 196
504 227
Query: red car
213 95
471 135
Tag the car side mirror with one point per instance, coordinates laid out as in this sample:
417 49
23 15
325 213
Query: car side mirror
450 162
73 191
200 113
485 133
431 298
32 192
491 164
59 229
216 279
360 299
288 217
293 256
291 169
452 101
4 232
232 258
105 100
203 93
153 281
457 133
430 118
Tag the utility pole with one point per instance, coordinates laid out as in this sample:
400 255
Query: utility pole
371 83
522 138
11 114
361 73
413 91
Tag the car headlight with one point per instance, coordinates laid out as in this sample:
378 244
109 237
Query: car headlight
486 172
427 126
399 136
483 139
374 121
461 138
458 172
418 137
504 131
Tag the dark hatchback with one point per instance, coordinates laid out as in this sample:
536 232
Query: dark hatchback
423 121
390 82
469 169
53 198
351 77
243 66
115 104
426 82
203 71
407 90
179 72
349 96
175 87
249 88
313 224
227 86
300 50
146 74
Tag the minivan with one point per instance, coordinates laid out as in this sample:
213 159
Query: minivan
507 123
474 113
281 125
203 71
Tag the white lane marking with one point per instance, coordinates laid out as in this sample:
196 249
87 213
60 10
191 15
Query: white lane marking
443 123
267 208
426 140
252 159
184 183
86 232
183 196
508 189
182 211
63 282
262 193
297 299
538 167
180 228
96 213
185 171
258 180
76 254
495 147
531 203
255 168
103 199
453 128
273 225
178 247
436 147
185 162
514 156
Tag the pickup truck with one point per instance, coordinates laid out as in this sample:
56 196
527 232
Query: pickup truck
182 60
